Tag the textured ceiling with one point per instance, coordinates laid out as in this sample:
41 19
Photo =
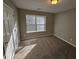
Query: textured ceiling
45 5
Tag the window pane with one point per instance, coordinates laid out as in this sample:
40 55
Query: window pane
35 23
40 27
40 19
7 33
31 28
30 19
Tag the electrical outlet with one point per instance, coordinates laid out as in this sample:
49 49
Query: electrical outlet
71 39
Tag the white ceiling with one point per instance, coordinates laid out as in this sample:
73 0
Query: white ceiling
45 5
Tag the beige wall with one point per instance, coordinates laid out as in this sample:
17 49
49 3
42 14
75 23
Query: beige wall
22 23
65 26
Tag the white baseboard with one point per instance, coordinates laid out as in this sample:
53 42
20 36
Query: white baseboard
65 40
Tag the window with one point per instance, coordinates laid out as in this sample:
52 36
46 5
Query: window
35 23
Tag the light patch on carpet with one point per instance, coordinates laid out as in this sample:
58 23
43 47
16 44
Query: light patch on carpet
24 52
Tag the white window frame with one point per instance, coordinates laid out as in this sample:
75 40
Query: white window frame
36 24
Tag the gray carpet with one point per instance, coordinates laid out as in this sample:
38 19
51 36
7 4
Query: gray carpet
46 48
